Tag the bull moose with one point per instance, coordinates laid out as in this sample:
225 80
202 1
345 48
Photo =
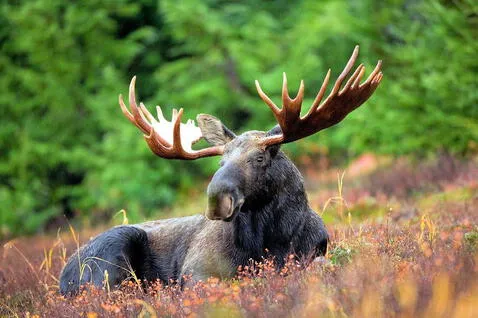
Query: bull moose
257 206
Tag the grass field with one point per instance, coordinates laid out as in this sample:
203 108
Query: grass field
404 243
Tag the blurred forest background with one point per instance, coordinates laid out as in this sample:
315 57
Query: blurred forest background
66 149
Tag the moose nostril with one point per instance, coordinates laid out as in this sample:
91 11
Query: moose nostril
220 206
225 206
227 203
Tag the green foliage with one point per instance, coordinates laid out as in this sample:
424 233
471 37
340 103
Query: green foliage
471 240
66 149
341 255
56 100
428 99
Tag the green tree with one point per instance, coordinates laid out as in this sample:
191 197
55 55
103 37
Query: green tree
56 102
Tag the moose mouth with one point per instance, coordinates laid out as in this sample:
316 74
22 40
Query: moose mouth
223 207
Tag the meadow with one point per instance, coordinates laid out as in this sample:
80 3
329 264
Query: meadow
404 243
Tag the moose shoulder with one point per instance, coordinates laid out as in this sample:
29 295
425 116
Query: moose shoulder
257 206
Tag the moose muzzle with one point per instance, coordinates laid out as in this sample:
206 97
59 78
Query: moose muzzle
225 197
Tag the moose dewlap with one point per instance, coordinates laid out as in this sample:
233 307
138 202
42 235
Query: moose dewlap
257 206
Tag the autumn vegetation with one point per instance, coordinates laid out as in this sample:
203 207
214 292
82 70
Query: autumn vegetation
407 251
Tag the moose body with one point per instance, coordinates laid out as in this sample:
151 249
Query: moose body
276 219
257 205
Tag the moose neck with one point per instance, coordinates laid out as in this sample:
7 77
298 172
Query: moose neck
275 216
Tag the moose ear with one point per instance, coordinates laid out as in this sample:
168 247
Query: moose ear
213 130
274 131
274 149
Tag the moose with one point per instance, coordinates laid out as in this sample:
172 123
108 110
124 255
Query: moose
257 206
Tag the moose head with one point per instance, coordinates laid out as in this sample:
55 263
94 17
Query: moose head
249 160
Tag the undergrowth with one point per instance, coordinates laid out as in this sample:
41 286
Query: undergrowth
417 258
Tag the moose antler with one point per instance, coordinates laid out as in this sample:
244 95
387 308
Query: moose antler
172 140
320 116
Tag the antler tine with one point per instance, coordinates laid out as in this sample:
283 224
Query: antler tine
356 75
147 114
300 93
291 107
139 119
285 92
320 94
175 114
346 71
375 82
267 100
356 83
375 71
131 117
177 146
159 113
126 112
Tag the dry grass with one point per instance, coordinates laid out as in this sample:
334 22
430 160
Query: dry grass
417 257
